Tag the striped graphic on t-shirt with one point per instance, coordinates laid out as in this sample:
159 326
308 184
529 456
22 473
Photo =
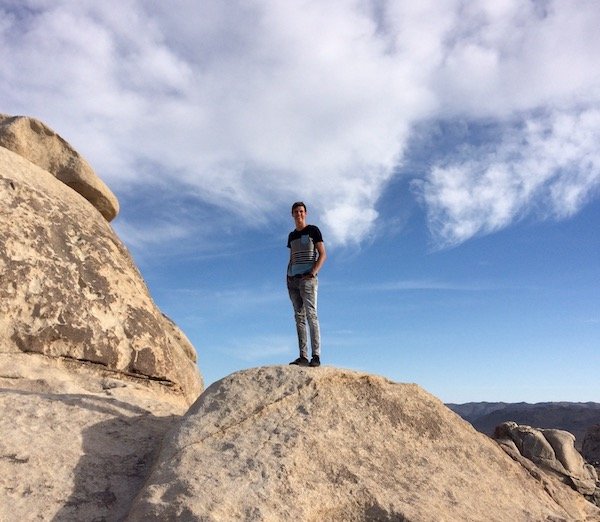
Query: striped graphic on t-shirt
303 252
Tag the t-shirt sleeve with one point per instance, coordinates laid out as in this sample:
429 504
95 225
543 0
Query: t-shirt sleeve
317 236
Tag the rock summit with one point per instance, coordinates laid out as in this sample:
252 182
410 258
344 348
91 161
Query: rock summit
287 443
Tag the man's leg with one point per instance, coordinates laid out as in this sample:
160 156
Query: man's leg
308 293
299 315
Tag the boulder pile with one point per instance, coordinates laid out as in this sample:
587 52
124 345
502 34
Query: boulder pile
551 450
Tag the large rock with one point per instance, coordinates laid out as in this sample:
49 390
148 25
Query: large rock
36 142
69 289
289 443
552 450
92 374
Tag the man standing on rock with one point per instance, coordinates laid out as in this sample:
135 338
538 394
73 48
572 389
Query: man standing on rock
307 255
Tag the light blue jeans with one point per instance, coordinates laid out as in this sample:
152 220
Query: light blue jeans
303 294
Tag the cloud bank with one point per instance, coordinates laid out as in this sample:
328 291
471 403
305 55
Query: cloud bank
247 106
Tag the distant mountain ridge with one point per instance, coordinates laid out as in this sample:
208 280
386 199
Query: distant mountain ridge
575 417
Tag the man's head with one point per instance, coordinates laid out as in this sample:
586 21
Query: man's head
299 214
298 204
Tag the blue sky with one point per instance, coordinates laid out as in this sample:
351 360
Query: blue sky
447 150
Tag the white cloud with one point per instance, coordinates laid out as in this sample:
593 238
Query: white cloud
260 104
248 106
550 167
502 57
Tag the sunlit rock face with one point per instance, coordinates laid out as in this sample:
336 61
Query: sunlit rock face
92 374
291 443
38 143
76 443
69 288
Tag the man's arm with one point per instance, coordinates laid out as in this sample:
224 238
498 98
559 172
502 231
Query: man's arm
320 246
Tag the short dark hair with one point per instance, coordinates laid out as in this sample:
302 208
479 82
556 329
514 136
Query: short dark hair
299 204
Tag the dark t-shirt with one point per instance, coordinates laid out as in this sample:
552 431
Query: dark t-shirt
303 250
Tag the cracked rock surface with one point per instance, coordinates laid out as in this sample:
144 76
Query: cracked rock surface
92 374
323 444
70 290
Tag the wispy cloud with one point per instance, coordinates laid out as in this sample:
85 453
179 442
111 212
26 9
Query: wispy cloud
548 166
247 106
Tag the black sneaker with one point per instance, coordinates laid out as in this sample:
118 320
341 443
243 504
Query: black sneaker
300 361
315 361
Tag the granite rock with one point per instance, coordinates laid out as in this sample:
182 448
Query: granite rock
69 288
76 443
292 443
553 451
38 143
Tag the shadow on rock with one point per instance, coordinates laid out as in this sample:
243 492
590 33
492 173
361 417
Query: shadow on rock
117 457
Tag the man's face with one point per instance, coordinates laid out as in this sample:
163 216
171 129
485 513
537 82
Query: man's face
299 214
